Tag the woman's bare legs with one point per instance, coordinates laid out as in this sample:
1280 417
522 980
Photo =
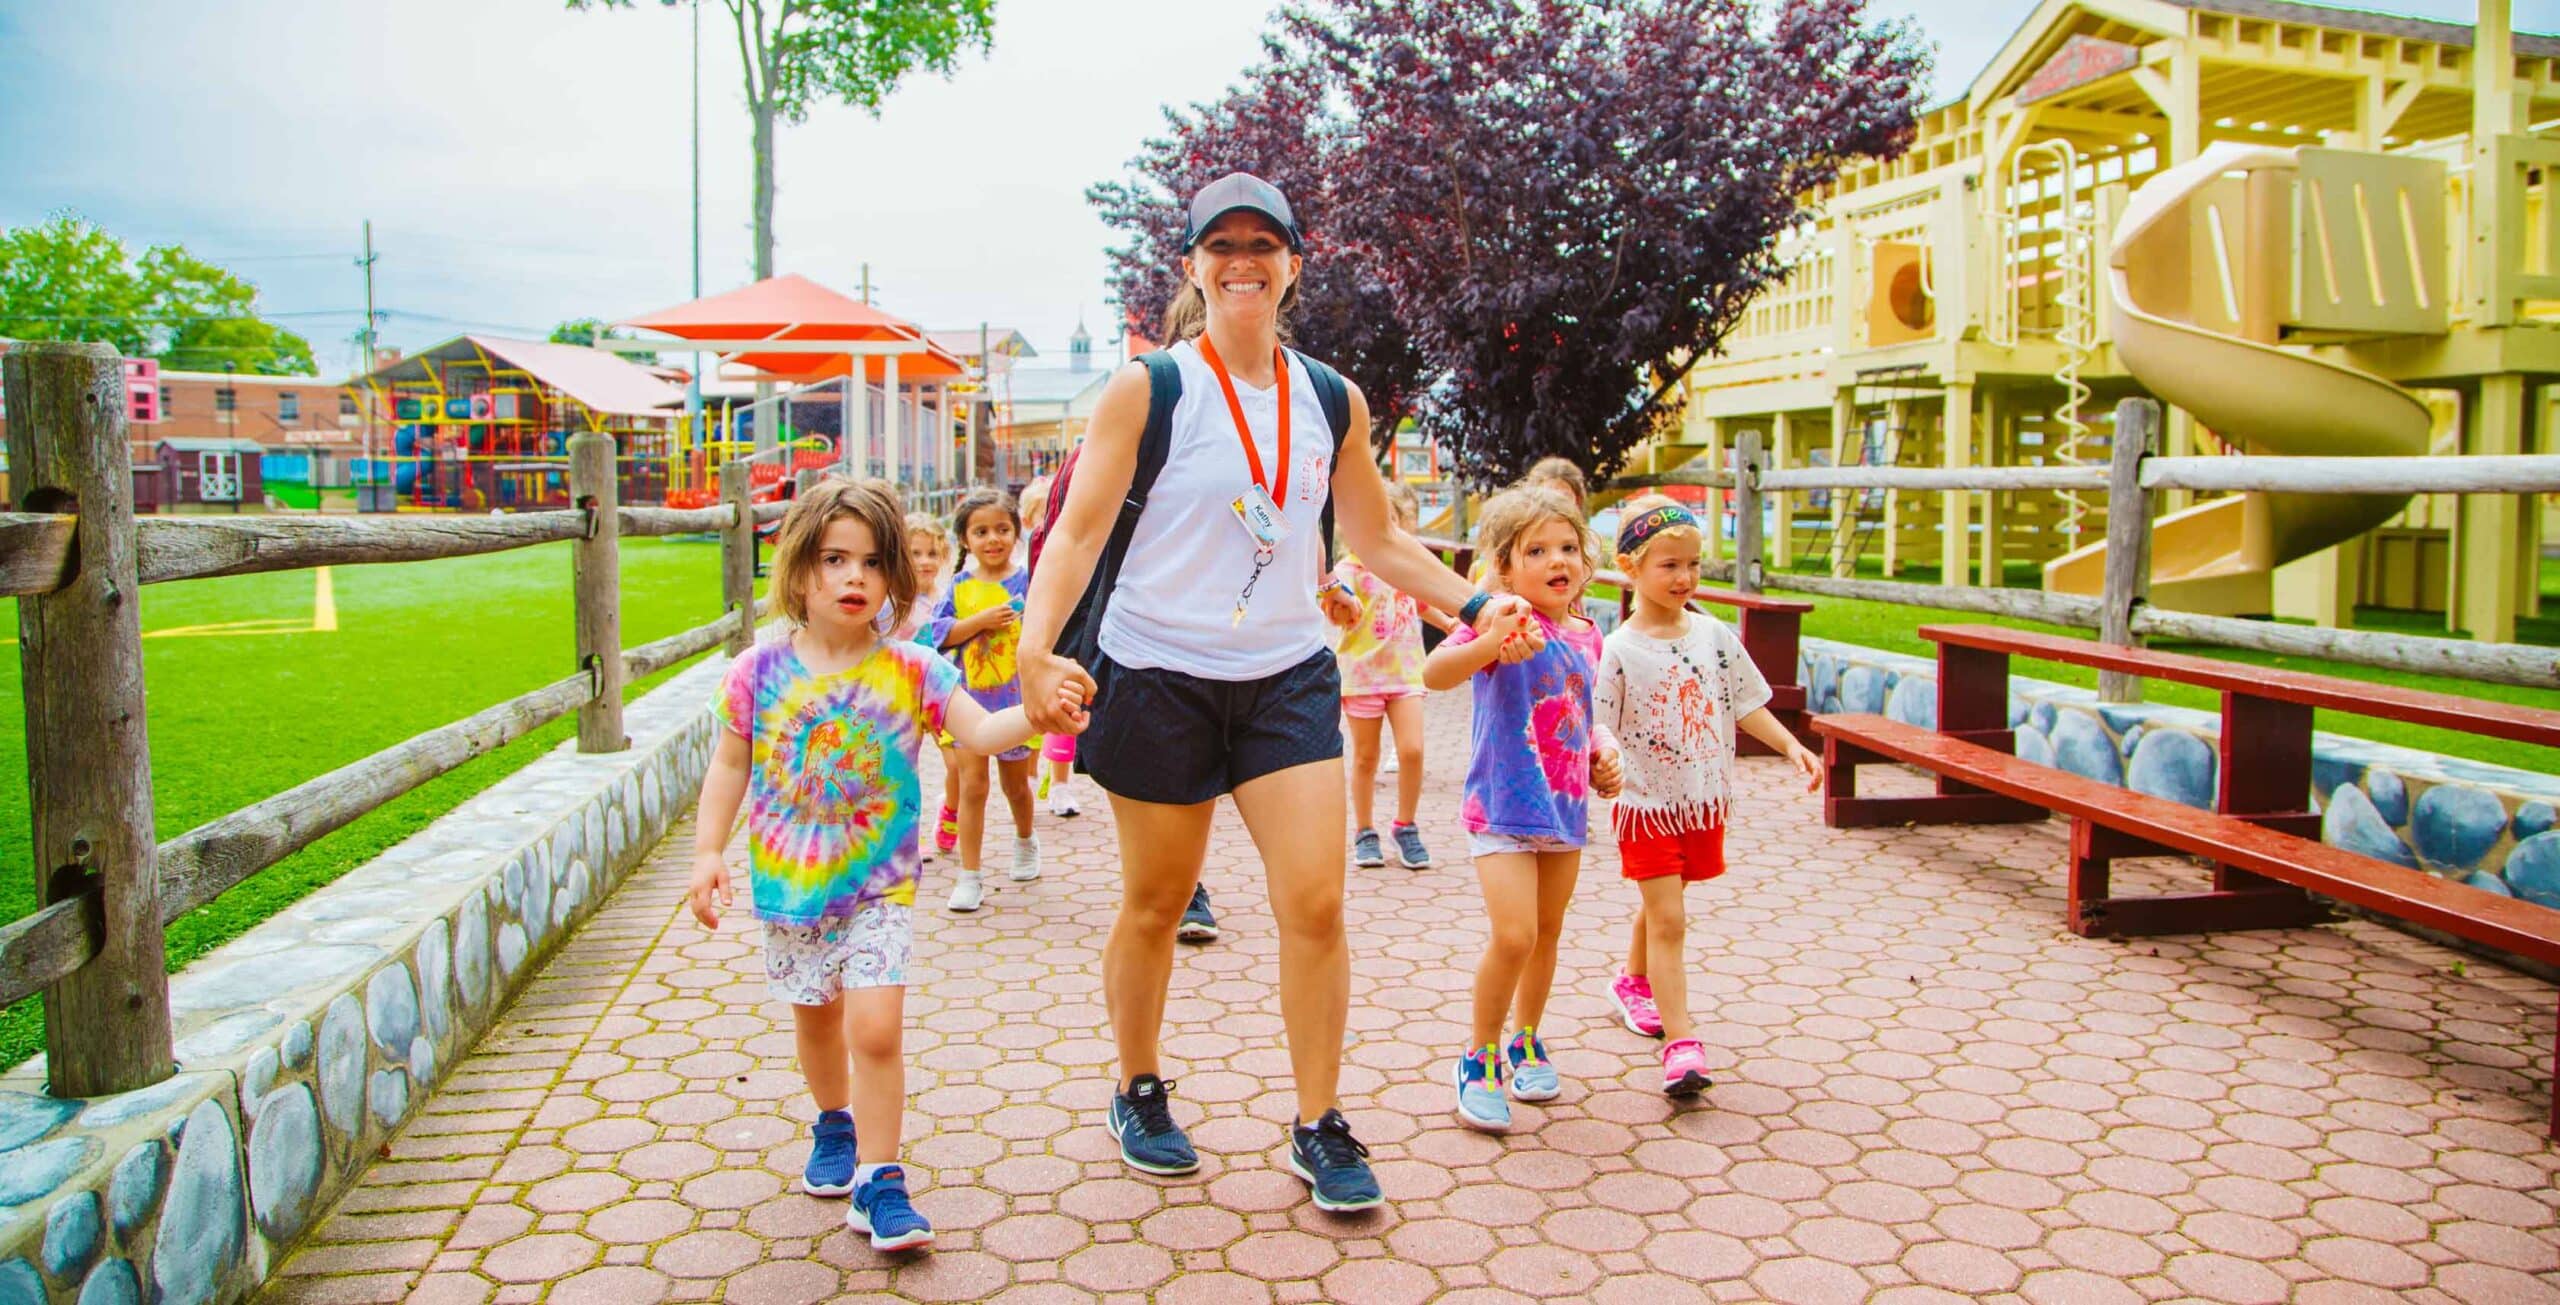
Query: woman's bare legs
1295 817
1162 848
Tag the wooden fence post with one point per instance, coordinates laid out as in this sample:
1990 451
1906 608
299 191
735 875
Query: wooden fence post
2128 577
106 1027
596 570
738 555
1748 552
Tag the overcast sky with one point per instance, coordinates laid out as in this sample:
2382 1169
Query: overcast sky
523 164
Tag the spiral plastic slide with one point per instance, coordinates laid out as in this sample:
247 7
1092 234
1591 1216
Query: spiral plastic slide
2219 557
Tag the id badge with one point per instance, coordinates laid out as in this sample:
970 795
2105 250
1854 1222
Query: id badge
1260 518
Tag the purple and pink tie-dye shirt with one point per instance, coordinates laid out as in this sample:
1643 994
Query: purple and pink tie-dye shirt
1530 775
832 792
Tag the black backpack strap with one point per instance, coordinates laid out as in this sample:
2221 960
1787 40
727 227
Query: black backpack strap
1334 396
1080 637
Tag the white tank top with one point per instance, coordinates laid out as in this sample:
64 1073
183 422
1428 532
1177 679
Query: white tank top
1175 605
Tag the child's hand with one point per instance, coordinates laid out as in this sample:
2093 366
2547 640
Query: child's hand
1337 609
1523 640
1606 774
1807 764
709 893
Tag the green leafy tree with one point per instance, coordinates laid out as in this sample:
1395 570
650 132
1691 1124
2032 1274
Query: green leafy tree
796 53
587 330
66 279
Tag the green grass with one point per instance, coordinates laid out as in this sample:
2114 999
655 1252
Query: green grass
235 718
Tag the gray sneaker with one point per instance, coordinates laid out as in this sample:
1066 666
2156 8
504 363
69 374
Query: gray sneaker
1364 849
1410 853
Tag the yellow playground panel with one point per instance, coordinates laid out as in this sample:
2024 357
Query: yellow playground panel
2309 230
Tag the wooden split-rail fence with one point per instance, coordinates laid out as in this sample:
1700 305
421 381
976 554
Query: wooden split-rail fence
74 556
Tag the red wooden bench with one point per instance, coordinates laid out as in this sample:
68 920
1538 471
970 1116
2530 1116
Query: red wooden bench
2261 838
1771 628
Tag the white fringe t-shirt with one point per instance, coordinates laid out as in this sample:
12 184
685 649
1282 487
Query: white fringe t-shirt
1673 705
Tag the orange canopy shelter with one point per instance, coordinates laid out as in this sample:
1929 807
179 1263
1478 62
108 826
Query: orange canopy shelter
794 308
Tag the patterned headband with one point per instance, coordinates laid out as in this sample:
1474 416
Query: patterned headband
1639 529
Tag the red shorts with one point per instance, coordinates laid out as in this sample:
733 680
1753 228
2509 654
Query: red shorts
1695 855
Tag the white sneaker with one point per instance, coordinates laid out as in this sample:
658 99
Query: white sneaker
1387 763
1026 859
966 892
1062 798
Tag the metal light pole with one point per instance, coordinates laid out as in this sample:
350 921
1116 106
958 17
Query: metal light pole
693 390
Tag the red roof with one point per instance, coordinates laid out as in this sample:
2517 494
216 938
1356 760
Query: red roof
793 307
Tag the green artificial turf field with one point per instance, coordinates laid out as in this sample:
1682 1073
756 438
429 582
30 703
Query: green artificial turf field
248 699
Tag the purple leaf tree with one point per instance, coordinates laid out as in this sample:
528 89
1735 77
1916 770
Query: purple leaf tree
1570 201
1273 125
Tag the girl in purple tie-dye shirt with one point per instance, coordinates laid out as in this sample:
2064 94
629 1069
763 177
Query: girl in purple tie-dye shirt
1535 766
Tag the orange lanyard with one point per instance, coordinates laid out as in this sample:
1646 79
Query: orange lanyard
1279 492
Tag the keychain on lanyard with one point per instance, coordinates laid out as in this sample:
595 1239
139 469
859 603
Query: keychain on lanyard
1258 508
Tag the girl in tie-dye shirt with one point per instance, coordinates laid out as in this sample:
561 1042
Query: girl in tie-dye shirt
1380 661
980 625
1537 763
820 736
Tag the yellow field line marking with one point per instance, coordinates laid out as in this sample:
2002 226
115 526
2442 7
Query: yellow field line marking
324 604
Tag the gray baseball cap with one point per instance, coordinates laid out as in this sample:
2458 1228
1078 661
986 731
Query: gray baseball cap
1240 191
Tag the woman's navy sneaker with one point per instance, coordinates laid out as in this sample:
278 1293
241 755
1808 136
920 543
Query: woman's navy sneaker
1197 924
1142 1118
830 1168
881 1208
1335 1164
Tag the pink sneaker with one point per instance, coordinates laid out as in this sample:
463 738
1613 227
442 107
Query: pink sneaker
1684 1069
1633 996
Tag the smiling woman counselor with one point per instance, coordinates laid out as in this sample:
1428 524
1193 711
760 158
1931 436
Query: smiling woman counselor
1210 672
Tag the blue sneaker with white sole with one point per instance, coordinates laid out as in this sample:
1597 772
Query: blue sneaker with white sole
1334 1164
830 1168
881 1208
1142 1120
1480 1100
1533 1076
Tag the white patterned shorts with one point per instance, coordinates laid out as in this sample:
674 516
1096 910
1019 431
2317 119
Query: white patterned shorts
811 964
1485 843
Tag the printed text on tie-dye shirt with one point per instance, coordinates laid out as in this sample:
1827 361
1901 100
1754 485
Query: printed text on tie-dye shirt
832 788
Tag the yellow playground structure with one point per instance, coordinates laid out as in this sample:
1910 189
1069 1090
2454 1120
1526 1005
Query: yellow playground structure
2312 231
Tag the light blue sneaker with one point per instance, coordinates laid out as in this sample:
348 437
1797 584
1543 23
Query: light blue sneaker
1480 1103
881 1208
830 1168
1533 1076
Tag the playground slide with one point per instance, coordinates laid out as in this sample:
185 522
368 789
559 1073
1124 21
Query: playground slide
2219 557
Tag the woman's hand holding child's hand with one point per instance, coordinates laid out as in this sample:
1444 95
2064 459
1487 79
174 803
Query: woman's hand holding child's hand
1338 606
709 892
1606 773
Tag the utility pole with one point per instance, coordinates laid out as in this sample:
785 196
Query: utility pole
366 370
866 283
693 390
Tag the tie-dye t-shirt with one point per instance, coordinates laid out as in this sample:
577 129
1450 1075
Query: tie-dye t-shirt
832 793
1530 775
990 664
1382 651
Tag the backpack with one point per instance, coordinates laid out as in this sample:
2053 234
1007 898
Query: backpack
1079 637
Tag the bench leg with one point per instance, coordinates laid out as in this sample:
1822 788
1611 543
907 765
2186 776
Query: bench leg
2239 900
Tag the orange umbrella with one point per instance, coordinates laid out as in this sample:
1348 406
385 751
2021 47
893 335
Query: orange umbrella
793 307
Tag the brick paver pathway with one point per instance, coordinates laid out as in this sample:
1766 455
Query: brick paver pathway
1927 1091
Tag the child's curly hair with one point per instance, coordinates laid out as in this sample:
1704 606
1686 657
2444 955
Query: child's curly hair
804 527
1513 513
1562 474
975 502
